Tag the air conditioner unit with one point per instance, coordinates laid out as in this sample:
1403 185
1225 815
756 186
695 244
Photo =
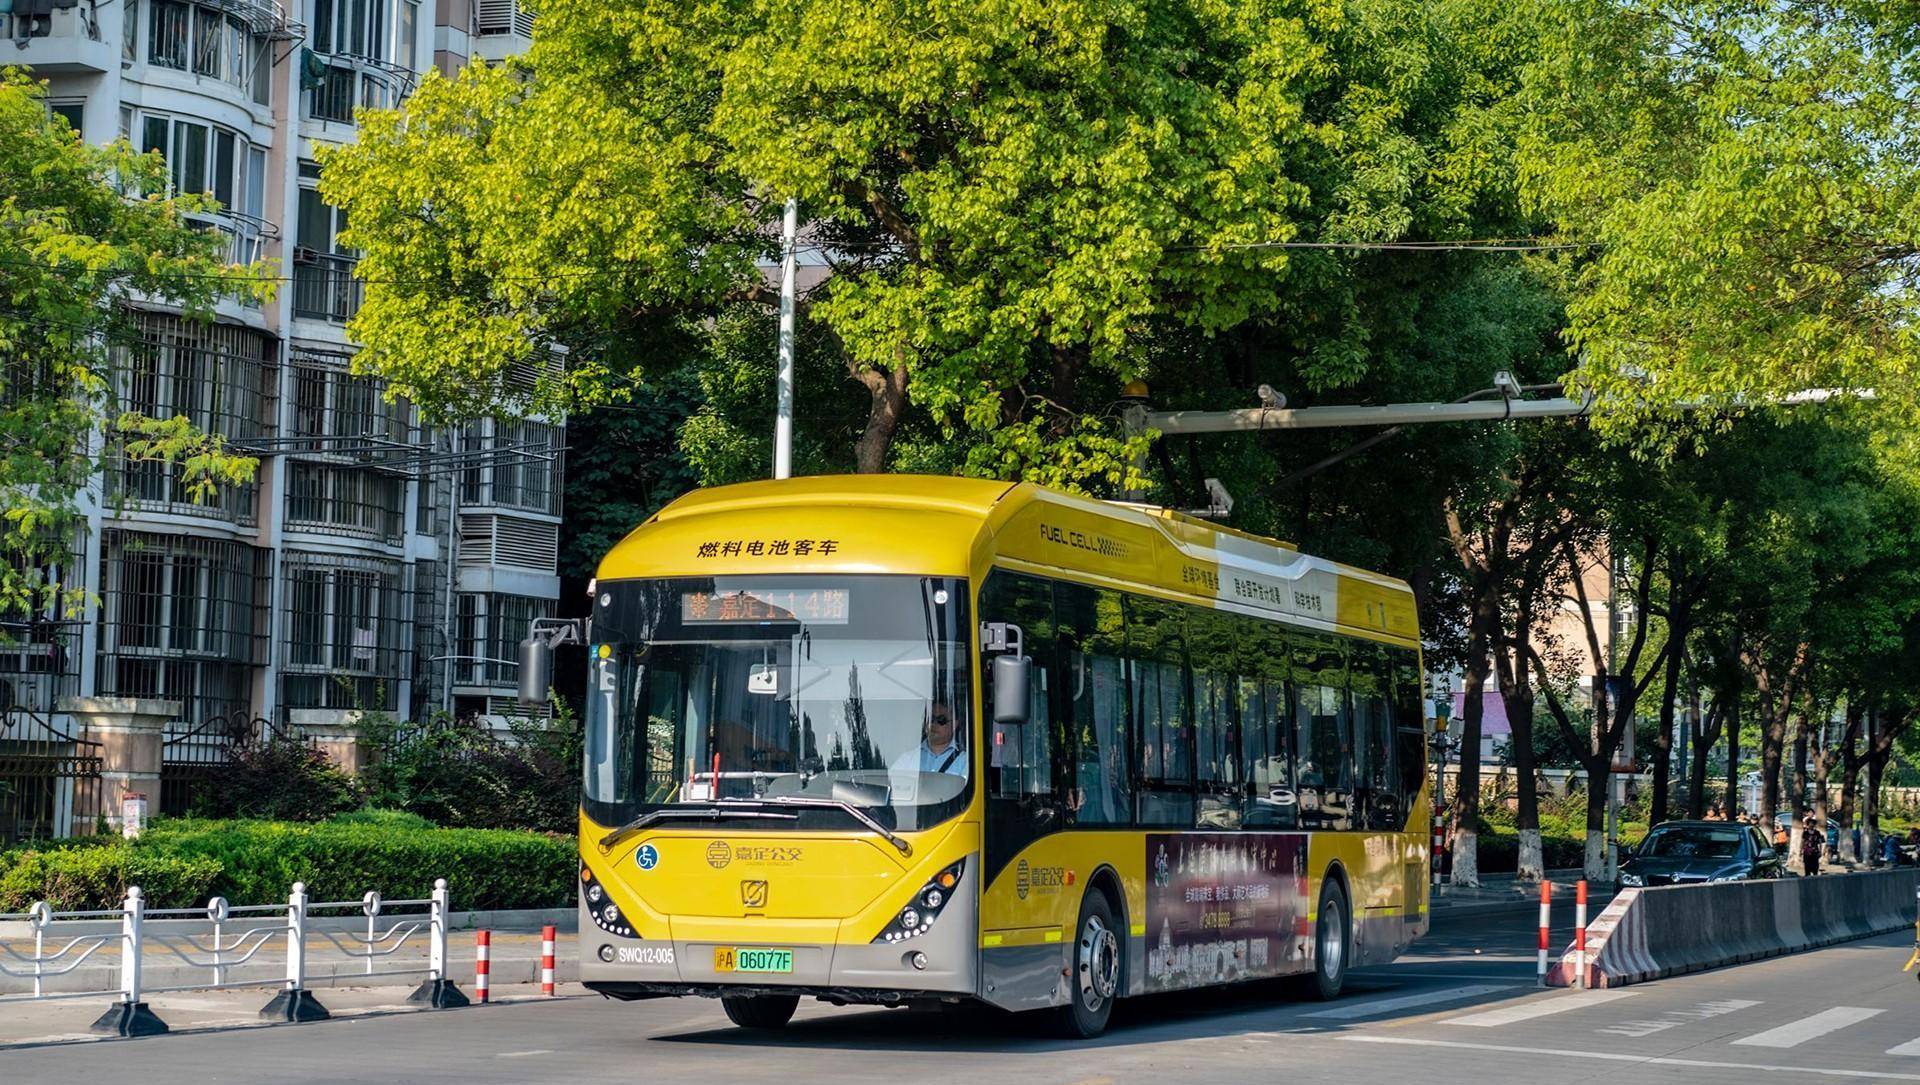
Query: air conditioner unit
304 255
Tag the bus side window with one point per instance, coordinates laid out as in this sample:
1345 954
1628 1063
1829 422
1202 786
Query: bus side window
1216 761
1322 734
1098 784
1162 717
1410 728
1376 796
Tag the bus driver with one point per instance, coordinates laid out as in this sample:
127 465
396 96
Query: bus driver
937 752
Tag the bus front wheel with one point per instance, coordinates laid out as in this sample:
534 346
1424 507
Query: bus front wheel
760 1011
1331 940
1094 969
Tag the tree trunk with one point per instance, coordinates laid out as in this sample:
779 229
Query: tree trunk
1705 731
1733 765
1875 764
1663 742
1466 795
1848 756
1517 693
1794 783
889 392
1822 766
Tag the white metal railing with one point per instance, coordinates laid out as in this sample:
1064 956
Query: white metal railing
219 938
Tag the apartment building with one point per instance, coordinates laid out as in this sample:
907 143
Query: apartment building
374 563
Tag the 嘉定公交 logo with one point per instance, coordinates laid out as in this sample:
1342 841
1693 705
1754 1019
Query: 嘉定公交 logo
753 894
718 854
647 857
1022 880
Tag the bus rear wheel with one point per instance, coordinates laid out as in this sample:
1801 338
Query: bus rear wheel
760 1011
1330 942
1094 970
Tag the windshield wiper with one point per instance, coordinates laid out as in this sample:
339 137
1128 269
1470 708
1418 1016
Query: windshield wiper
700 813
858 815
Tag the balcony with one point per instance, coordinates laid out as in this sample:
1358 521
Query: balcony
247 235
324 287
339 83
54 36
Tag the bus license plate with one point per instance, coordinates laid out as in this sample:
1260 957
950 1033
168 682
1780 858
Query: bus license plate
735 959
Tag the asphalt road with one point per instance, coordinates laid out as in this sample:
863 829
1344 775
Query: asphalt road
1446 1013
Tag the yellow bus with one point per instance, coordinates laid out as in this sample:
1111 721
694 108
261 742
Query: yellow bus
890 740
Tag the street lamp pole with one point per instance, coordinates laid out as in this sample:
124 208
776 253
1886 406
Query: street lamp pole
783 418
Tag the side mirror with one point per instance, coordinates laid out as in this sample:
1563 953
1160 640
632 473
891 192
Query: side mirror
1012 677
536 671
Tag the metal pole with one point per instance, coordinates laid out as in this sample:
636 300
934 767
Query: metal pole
437 933
783 418
132 913
297 937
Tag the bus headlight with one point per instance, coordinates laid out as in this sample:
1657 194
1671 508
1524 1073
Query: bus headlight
916 918
606 914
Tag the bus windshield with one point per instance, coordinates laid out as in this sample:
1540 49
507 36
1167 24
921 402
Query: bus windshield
762 688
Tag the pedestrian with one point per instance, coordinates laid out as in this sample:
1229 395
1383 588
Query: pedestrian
1890 849
1812 844
1780 836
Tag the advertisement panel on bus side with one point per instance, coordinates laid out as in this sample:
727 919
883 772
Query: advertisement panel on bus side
1225 906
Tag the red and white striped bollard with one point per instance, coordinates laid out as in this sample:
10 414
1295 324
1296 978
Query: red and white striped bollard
1546 922
483 956
1580 929
1439 843
546 960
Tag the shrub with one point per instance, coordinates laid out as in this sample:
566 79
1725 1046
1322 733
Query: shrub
87 878
457 772
258 861
281 780
390 819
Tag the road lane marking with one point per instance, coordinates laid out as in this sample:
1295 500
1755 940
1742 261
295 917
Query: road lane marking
1809 1028
1379 1006
1643 1060
522 1054
1911 1047
1676 1018
1527 1011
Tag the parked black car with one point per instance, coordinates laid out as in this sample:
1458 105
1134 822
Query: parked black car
1682 852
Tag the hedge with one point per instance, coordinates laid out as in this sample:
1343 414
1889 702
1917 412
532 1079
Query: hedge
88 878
181 862
1500 854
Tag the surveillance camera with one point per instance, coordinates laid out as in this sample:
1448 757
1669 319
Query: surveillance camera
1507 386
1218 497
1270 398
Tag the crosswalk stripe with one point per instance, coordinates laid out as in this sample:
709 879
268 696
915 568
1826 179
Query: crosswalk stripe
1809 1028
1911 1047
1676 1018
1357 1010
1527 1011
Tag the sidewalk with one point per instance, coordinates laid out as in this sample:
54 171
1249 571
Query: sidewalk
1498 893
66 1021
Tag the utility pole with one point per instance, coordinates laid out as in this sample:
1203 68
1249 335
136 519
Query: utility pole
783 419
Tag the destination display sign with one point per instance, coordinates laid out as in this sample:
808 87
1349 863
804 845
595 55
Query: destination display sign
816 606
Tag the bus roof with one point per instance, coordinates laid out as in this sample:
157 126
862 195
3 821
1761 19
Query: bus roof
943 526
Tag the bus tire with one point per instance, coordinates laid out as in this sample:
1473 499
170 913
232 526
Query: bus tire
1094 969
1332 941
760 1011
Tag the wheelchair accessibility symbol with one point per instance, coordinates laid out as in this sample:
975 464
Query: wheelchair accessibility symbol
648 857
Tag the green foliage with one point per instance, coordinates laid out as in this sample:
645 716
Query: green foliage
89 878
1023 204
457 773
81 228
278 780
1749 176
258 861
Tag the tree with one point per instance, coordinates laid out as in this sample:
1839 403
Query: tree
83 232
1018 202
1742 180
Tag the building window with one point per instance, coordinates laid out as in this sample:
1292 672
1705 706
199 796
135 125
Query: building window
522 469
71 110
346 500
347 632
488 629
323 284
210 42
221 377
182 618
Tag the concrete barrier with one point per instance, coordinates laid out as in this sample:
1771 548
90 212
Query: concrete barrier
1646 934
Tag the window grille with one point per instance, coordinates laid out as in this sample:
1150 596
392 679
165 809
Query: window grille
169 33
488 629
348 632
524 471
330 402
221 377
182 617
39 639
429 636
211 41
361 501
